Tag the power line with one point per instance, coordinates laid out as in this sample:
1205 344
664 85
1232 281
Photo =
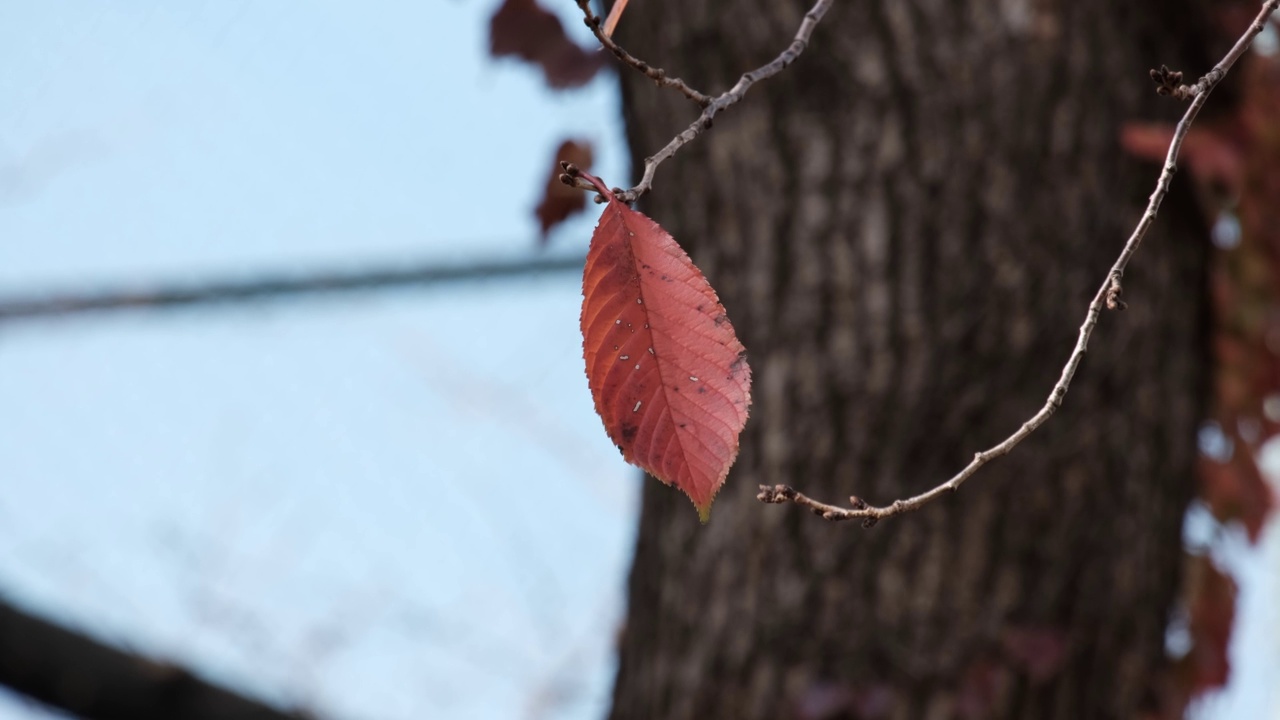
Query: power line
164 295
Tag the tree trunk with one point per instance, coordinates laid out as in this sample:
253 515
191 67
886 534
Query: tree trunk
906 227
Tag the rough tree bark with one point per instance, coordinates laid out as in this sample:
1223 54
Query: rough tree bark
906 227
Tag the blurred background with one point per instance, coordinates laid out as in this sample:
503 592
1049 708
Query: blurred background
394 504
388 503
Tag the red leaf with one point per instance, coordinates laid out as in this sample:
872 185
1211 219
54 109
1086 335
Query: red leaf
668 376
559 201
525 29
1236 490
1212 613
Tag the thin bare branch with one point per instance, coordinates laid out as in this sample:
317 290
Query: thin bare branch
1107 296
729 98
604 34
711 106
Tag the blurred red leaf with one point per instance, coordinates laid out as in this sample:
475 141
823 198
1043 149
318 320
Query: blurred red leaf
524 29
1210 153
1234 159
669 378
1212 609
559 201
1236 490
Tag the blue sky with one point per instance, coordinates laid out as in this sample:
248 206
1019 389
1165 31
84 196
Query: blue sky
397 505
394 505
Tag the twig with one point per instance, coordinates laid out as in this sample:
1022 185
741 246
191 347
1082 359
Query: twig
658 75
711 105
1107 295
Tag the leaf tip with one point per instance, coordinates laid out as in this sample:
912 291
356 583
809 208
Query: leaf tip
702 500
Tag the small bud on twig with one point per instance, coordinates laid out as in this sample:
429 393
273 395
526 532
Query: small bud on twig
1169 83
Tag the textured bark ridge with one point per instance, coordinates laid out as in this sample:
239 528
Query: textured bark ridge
906 227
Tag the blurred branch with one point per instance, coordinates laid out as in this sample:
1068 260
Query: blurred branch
82 676
165 295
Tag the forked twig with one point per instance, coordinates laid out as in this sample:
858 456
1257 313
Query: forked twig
604 33
711 106
1107 296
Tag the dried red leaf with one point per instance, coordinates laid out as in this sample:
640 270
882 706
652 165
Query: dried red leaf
669 378
525 29
559 201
